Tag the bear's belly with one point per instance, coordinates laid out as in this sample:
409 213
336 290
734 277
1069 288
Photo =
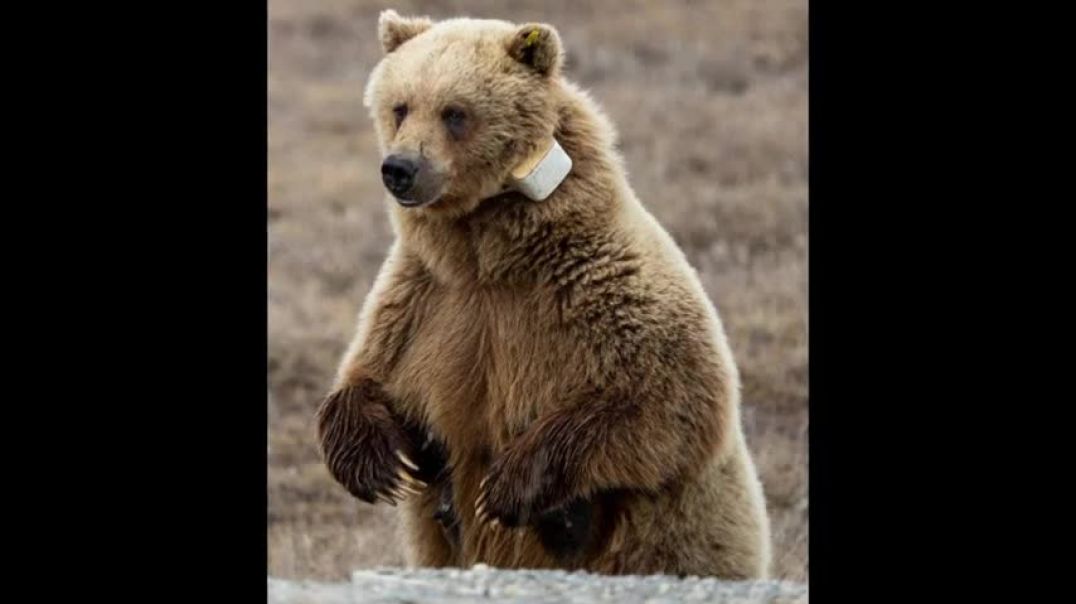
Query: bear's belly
481 366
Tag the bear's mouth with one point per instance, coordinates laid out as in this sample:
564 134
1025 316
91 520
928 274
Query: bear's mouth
418 203
409 203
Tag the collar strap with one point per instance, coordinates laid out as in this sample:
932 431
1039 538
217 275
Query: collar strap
540 174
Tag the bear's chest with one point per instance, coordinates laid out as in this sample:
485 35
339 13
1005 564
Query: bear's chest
481 365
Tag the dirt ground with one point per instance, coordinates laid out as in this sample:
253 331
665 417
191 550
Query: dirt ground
710 99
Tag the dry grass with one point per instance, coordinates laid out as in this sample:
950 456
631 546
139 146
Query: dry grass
711 103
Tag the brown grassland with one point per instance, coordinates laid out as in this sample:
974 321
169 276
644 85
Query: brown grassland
710 100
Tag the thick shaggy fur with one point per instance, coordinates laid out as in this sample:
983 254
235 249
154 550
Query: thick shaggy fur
557 362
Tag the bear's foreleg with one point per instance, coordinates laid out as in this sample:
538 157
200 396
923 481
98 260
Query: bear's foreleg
368 447
600 444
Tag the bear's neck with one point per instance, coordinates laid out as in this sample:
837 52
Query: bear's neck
501 242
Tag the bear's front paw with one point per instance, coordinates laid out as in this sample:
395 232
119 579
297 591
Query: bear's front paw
365 448
521 485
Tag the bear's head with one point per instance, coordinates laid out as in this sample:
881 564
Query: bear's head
457 104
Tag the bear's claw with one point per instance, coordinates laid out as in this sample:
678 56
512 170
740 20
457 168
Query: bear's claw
364 445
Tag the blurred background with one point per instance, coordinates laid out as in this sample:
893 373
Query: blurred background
710 100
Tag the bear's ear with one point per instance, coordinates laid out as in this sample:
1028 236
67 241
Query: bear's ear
537 46
394 30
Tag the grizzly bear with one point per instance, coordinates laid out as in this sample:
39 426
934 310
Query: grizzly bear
538 379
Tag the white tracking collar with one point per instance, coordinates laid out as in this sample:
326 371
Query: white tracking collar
542 173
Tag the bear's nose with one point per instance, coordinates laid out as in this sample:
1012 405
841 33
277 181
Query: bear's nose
398 173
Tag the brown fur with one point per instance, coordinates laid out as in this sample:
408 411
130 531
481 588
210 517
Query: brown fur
561 353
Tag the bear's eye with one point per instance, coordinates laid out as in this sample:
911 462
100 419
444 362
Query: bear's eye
400 111
455 120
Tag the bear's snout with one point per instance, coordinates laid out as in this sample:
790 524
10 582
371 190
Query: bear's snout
412 178
398 173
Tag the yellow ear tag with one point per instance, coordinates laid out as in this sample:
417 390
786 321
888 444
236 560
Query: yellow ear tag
531 39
